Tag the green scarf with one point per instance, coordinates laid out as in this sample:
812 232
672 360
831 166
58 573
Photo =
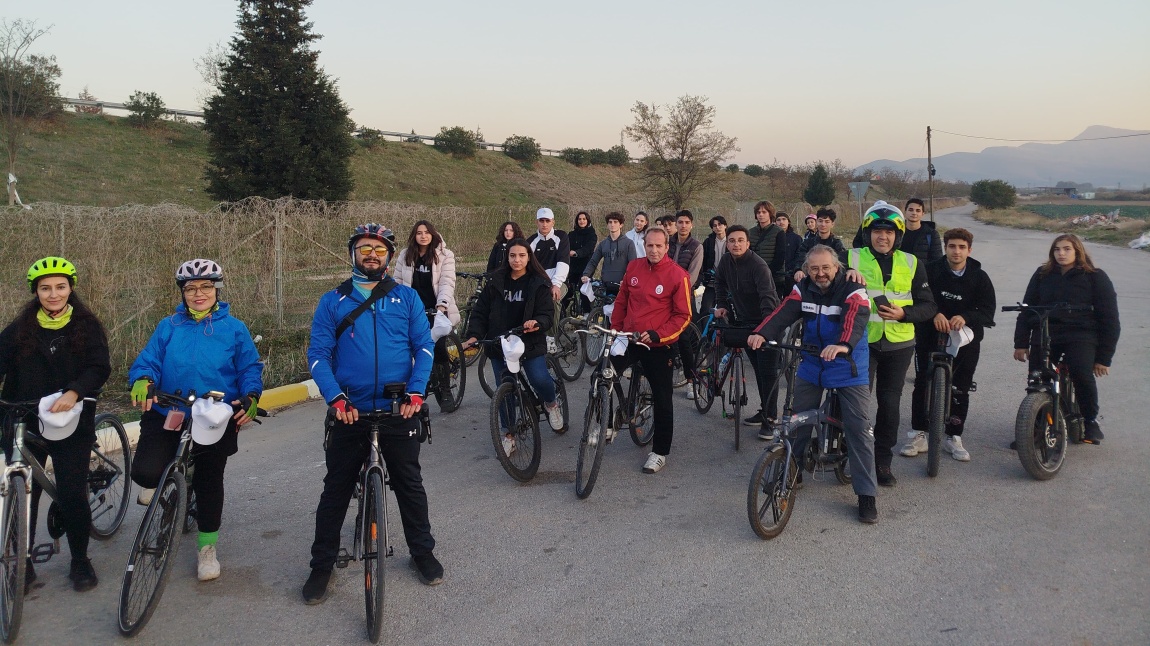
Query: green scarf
48 323
198 316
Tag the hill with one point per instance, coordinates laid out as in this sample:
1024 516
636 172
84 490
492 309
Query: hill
1107 162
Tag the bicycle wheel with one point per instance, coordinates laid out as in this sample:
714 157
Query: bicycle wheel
1040 434
594 441
108 483
593 343
470 355
486 379
561 397
939 392
738 394
523 461
154 550
641 409
704 383
15 537
452 376
771 492
570 354
374 552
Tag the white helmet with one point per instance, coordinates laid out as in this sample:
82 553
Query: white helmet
200 269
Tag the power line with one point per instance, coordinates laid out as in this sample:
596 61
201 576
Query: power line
1048 141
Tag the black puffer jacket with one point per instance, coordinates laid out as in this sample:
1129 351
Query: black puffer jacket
583 244
924 242
1076 287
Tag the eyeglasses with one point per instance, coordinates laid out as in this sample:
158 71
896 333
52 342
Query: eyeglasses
365 250
192 290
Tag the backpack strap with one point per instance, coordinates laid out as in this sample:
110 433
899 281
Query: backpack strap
382 288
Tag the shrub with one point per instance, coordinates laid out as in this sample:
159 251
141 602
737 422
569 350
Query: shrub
576 156
370 138
820 189
413 139
146 108
732 168
754 170
457 141
992 194
522 149
88 109
618 155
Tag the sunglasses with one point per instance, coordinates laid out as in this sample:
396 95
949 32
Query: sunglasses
365 250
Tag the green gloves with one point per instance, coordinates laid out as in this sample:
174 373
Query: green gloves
250 404
140 391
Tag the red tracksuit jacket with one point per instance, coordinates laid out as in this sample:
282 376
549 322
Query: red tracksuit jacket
654 297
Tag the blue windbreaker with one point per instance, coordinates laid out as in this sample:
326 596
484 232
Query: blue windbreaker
216 353
391 343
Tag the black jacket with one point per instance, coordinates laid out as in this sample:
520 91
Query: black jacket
770 244
497 257
924 242
582 242
793 242
808 243
489 317
708 256
1076 287
745 286
970 295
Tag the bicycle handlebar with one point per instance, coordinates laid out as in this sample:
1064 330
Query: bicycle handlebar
178 399
1047 309
515 330
595 328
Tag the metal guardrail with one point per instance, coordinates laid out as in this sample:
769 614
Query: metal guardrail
120 106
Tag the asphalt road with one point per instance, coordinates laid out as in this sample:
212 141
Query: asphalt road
982 554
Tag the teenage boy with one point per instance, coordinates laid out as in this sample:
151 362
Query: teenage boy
687 252
616 251
824 235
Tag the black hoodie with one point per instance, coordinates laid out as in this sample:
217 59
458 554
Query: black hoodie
1077 287
970 295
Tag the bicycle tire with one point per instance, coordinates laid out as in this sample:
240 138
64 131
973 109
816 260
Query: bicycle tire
1040 434
449 395
593 443
571 355
738 394
561 397
771 499
190 511
593 343
15 538
939 392
641 409
153 551
470 355
485 376
525 430
704 383
1075 425
109 481
374 553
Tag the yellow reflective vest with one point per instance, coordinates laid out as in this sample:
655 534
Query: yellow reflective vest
897 291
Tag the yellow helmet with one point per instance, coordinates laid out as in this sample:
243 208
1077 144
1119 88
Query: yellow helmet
51 266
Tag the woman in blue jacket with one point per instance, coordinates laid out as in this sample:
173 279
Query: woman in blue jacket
201 347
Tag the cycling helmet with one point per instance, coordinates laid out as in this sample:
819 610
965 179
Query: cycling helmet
884 216
50 266
374 232
200 269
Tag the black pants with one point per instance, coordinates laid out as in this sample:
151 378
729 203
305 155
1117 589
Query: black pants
156 449
708 303
687 348
1079 357
346 453
961 379
887 376
765 363
657 367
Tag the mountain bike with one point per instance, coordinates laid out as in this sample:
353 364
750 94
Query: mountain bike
470 355
566 348
108 490
157 542
605 293
1048 416
448 378
940 391
720 375
371 542
603 418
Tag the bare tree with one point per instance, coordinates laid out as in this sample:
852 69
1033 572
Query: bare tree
209 65
897 183
27 88
683 152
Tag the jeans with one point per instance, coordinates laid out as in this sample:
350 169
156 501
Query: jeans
540 379
887 377
853 403
657 367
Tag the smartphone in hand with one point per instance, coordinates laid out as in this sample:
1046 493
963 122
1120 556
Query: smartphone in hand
881 301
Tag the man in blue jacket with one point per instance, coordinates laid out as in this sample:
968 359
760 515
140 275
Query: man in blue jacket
836 312
388 342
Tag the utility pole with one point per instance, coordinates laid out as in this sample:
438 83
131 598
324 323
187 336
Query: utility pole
930 173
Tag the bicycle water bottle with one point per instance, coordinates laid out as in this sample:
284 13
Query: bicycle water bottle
723 362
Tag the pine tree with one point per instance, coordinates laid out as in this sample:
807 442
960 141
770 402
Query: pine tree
820 189
277 127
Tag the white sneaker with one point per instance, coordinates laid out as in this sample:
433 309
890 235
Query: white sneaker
552 347
690 390
208 567
654 462
554 416
953 446
508 445
915 444
145 497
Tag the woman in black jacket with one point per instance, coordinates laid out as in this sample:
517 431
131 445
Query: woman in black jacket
1086 339
508 231
56 345
583 240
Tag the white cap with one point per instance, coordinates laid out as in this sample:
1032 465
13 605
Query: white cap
57 426
544 214
513 349
209 420
959 338
588 291
441 327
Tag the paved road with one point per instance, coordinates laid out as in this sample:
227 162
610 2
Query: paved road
980 555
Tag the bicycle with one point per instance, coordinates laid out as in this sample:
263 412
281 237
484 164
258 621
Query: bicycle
1048 416
941 390
776 476
567 348
602 420
516 402
448 380
713 374
605 293
371 543
470 355
692 338
173 507
108 468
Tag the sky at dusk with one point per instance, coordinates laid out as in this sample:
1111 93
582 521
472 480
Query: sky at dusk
797 82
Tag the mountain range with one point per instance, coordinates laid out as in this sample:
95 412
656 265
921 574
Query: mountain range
1110 163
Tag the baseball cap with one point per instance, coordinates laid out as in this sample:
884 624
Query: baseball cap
57 426
544 214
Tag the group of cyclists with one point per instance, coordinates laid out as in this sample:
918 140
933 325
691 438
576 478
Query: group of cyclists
903 291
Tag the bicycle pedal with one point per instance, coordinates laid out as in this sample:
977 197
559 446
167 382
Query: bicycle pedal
973 387
343 558
390 552
44 551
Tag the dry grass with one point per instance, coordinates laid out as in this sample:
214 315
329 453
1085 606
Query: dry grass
1119 233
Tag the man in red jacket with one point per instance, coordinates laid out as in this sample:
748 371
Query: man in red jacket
654 302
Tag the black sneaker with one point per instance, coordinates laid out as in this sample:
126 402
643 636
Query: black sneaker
428 568
868 513
82 575
316 588
1093 434
754 420
885 477
29 575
